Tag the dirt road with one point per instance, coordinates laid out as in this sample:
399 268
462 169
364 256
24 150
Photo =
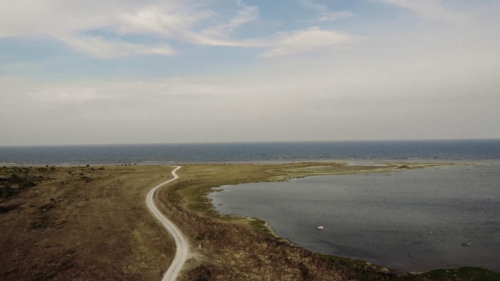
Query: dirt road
182 252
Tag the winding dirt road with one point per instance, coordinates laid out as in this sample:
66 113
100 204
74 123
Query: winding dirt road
182 245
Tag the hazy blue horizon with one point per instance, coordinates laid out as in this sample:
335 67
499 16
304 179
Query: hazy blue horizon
253 142
250 152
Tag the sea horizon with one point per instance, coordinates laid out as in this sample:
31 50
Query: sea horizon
183 153
250 142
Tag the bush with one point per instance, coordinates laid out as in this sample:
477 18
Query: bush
14 178
26 184
6 191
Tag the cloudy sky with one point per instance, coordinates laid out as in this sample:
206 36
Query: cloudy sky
150 71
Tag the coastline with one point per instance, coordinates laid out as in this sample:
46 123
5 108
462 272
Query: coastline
230 246
399 167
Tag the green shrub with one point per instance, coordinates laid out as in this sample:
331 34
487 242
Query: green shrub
6 191
26 184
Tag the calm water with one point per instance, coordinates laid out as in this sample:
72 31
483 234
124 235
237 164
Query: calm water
248 152
384 218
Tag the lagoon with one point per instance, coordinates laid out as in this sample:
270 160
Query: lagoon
415 220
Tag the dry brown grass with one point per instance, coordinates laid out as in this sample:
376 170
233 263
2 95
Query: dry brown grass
84 224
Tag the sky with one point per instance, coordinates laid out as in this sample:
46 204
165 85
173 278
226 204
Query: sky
189 71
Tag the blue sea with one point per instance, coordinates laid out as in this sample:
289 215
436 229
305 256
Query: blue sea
249 152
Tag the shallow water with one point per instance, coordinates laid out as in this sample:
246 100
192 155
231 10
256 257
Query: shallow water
410 221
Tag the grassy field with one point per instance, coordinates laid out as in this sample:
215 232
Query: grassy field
82 223
91 223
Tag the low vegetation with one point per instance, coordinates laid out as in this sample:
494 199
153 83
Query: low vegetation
464 273
18 180
74 227
91 223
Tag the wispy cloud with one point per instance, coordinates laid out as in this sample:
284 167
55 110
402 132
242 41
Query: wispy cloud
174 20
165 20
168 22
247 14
102 48
335 16
324 13
306 40
310 4
430 9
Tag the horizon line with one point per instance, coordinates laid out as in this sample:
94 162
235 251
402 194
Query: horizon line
250 142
